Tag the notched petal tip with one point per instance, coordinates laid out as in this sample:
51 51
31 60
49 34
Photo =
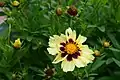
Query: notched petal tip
81 39
70 34
68 31
52 51
67 66
58 58
79 63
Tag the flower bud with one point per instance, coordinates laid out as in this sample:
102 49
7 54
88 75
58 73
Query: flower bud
49 72
72 10
10 20
15 3
13 76
17 43
59 11
106 44
97 53
2 4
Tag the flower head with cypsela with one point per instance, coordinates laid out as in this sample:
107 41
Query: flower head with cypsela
70 50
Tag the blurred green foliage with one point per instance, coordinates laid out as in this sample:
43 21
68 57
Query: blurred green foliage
34 21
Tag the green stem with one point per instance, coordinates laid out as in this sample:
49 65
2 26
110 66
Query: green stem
9 31
70 24
59 1
102 49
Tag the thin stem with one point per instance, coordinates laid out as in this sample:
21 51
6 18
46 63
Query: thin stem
86 72
59 1
9 31
20 65
70 22
75 2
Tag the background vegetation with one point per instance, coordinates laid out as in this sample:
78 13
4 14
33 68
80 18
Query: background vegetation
34 21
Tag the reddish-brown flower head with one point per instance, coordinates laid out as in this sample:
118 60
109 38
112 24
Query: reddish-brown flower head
49 72
72 11
2 4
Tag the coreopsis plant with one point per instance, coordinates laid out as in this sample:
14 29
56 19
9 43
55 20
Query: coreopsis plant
88 50
70 50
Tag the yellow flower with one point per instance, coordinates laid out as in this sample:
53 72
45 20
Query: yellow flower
70 50
17 43
15 3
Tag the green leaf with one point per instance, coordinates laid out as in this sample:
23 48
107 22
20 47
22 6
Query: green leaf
118 14
29 38
49 56
113 39
104 1
116 61
70 2
9 75
109 60
3 30
114 49
37 70
102 28
97 64
116 52
109 78
91 26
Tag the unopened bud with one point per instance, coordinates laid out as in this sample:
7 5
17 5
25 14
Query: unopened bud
59 11
97 53
15 3
106 44
2 4
17 43
72 10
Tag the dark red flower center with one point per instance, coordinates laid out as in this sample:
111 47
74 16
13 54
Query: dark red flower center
70 49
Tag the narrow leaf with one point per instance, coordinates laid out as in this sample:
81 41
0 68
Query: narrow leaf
114 49
116 61
97 64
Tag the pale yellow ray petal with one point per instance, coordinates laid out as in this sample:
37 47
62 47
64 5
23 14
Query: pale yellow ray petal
81 39
88 56
85 49
67 65
85 60
63 38
52 42
56 40
70 34
79 63
53 51
58 58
